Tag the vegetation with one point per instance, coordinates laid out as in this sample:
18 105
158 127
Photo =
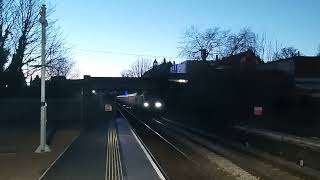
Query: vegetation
221 42
20 43
137 69
286 52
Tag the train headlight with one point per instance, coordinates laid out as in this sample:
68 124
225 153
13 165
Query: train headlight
158 104
145 104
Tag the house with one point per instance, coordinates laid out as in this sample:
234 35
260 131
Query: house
297 66
242 61
191 67
304 70
159 70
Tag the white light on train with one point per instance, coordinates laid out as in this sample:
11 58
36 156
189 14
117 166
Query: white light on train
146 104
158 104
93 91
182 81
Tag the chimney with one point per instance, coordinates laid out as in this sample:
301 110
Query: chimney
174 66
217 57
204 54
155 63
298 53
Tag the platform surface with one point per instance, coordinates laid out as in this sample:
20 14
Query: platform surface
137 164
85 159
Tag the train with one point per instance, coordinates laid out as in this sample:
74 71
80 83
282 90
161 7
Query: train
144 101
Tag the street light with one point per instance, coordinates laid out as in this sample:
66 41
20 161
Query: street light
43 147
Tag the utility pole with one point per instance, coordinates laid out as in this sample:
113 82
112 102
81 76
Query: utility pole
43 147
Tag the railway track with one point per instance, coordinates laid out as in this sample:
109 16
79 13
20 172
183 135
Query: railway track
174 163
246 146
201 154
302 151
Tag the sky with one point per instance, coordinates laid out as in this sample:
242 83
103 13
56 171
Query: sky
100 32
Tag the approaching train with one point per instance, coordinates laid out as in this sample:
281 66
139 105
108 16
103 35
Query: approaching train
143 101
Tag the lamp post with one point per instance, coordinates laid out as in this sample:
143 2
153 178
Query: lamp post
43 147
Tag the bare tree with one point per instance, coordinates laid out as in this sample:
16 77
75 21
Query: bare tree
221 42
137 69
216 41
127 73
24 43
267 50
285 53
60 67
6 23
212 40
318 54
58 61
243 41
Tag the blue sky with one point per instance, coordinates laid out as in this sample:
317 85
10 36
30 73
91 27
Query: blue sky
155 27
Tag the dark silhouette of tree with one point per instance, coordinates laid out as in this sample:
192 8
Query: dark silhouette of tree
6 23
285 53
243 41
20 42
216 41
137 69
58 61
127 73
212 40
60 67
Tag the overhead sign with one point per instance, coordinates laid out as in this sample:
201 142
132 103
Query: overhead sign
108 107
258 111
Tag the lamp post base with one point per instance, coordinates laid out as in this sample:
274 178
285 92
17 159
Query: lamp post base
40 149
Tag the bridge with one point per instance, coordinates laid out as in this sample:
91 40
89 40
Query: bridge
105 84
120 83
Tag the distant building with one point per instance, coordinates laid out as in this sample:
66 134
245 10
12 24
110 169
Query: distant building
304 70
159 70
191 67
298 66
179 68
35 82
242 61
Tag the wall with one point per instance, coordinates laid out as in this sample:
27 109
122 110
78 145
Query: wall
28 110
179 68
287 66
307 67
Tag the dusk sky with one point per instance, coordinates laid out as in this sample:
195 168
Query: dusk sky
154 28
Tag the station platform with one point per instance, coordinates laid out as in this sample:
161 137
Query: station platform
137 161
108 150
313 143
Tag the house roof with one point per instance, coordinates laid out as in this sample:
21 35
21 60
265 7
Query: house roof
238 57
297 58
159 70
